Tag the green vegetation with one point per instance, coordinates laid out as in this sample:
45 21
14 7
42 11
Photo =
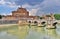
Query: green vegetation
57 16
40 17
0 16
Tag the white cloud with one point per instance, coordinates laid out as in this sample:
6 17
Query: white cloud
8 13
9 4
2 13
33 11
51 5
12 4
26 5
5 13
46 6
2 2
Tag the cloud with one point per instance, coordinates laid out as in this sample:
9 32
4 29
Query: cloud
35 7
45 7
30 2
5 13
2 2
50 6
33 11
8 3
12 5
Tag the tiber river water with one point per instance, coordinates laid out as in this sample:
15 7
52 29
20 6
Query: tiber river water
33 32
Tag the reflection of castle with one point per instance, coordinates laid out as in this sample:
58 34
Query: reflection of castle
20 13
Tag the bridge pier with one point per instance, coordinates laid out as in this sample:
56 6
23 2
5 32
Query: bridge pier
40 25
51 24
22 23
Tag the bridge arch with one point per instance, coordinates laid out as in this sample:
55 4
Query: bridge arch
29 22
35 22
43 22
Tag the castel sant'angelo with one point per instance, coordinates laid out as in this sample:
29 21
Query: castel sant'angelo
20 13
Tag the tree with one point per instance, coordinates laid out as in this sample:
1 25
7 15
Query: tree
40 17
0 16
57 16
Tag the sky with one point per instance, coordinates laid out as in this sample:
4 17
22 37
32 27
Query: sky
35 7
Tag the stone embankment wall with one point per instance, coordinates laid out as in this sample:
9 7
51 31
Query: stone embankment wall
8 21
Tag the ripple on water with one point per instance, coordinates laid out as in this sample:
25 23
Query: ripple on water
4 35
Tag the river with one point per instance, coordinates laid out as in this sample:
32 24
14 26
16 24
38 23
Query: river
26 32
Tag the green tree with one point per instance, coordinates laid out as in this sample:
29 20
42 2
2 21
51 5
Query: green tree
41 17
0 16
57 16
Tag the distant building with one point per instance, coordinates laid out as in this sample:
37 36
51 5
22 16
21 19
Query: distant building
20 13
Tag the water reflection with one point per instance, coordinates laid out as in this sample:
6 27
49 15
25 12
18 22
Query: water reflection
36 33
33 32
21 32
4 35
40 30
51 33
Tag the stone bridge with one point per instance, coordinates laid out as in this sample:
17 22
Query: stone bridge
29 20
58 21
40 21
